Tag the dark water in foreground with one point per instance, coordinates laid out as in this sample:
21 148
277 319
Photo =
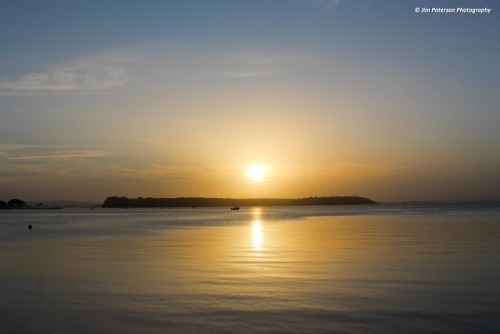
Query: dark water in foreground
370 269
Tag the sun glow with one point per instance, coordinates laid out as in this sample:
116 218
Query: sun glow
256 173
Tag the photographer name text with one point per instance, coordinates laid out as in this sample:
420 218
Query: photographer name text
455 10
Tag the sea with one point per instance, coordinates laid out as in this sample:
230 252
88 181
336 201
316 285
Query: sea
312 269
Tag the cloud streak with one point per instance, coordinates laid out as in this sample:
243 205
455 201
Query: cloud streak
66 80
113 69
95 73
60 155
331 3
14 152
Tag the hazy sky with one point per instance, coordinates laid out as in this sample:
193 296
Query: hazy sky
178 98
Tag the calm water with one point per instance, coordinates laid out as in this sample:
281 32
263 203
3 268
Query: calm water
368 269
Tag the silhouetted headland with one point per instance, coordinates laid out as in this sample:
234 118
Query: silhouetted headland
149 202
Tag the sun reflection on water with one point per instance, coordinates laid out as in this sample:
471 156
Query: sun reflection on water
257 236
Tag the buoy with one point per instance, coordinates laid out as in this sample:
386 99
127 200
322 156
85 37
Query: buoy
30 227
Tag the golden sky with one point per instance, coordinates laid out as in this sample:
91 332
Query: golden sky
179 98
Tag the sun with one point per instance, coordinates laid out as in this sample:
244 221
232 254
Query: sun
256 173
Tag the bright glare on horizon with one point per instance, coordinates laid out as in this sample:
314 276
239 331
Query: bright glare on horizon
256 173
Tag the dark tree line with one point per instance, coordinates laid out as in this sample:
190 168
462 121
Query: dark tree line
12 204
149 202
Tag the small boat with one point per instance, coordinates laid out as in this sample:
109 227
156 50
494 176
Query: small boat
235 208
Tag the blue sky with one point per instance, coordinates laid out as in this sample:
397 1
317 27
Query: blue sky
178 98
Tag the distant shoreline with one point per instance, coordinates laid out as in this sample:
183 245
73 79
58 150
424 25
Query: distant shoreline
149 202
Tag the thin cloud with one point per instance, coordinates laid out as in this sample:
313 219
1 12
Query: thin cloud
167 172
14 152
21 162
96 73
9 149
331 3
113 69
242 74
61 155
64 80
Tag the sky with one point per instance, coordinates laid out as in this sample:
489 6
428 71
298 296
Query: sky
179 98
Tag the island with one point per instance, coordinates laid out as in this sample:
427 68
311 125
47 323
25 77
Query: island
149 202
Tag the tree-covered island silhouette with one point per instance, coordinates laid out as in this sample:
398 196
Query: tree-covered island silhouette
151 202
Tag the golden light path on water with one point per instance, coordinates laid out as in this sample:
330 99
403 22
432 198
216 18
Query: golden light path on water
346 274
258 237
257 234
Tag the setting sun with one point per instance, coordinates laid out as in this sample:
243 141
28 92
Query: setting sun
256 173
